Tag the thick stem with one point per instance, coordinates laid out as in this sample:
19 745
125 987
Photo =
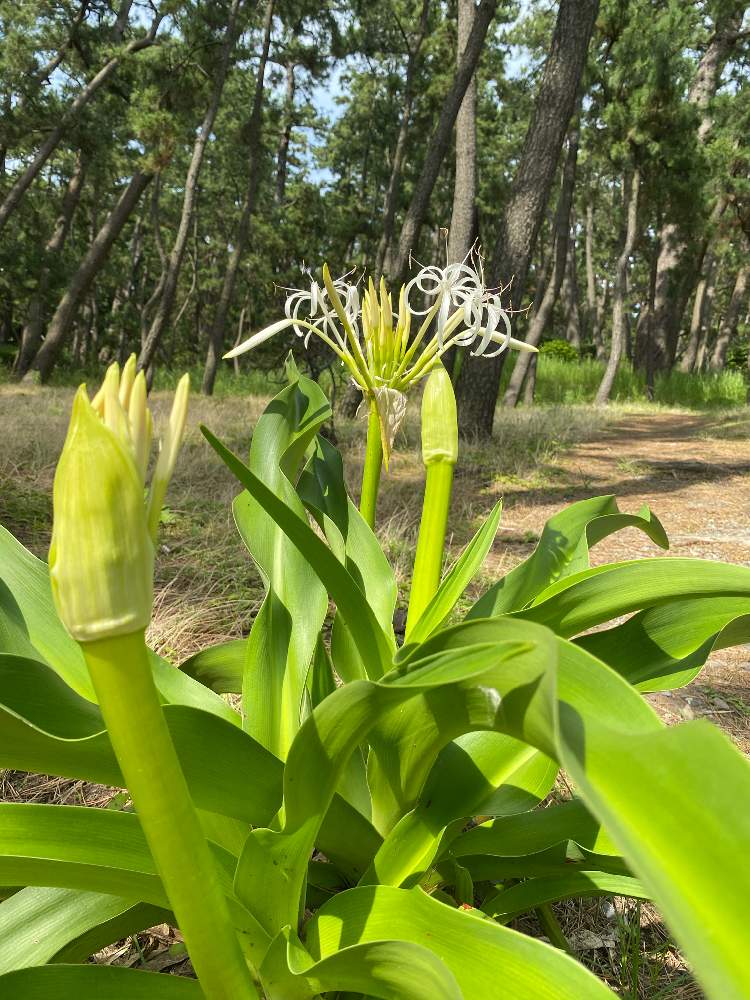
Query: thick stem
121 674
428 561
373 464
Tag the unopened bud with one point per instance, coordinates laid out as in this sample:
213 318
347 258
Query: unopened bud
102 554
101 558
439 419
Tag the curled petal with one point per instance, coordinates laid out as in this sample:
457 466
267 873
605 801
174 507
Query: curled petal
260 337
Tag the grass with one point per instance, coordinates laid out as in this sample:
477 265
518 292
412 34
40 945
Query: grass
576 382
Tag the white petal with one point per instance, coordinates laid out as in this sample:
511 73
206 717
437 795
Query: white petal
259 338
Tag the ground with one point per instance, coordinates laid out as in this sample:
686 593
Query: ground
691 469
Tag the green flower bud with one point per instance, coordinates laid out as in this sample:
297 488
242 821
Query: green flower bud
101 558
439 419
102 554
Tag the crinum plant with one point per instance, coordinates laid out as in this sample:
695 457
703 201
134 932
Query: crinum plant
388 353
373 818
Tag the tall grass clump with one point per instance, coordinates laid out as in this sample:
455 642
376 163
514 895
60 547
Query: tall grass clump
567 382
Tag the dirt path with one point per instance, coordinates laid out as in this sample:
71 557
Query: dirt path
696 479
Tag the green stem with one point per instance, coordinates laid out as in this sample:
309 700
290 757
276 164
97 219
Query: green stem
121 673
552 928
373 464
428 561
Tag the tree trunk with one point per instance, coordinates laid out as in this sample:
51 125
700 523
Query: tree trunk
463 228
24 182
31 337
174 263
282 153
254 128
631 186
593 303
673 289
397 163
698 315
562 232
479 379
730 319
92 263
708 309
397 259
570 295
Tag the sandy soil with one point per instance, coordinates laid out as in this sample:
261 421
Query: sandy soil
695 476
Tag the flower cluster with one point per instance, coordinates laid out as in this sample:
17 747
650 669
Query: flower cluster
105 523
385 351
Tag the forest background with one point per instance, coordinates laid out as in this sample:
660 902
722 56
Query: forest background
168 167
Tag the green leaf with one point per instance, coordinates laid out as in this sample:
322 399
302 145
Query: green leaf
323 491
391 970
487 960
342 587
538 830
219 667
563 550
535 892
28 619
458 579
598 595
39 924
78 848
667 646
96 982
469 773
285 630
46 727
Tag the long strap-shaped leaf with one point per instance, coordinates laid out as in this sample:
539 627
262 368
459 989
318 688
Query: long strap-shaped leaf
37 924
488 961
342 587
389 970
535 892
323 491
667 646
562 551
96 982
598 595
284 632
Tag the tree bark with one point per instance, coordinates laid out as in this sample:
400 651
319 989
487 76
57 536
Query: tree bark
593 304
673 289
631 186
174 263
92 263
731 317
24 182
31 337
397 259
698 315
282 153
394 181
254 129
479 379
562 234
569 294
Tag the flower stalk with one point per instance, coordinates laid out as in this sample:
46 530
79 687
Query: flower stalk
372 469
439 455
121 673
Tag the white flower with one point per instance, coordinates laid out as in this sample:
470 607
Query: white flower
378 345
